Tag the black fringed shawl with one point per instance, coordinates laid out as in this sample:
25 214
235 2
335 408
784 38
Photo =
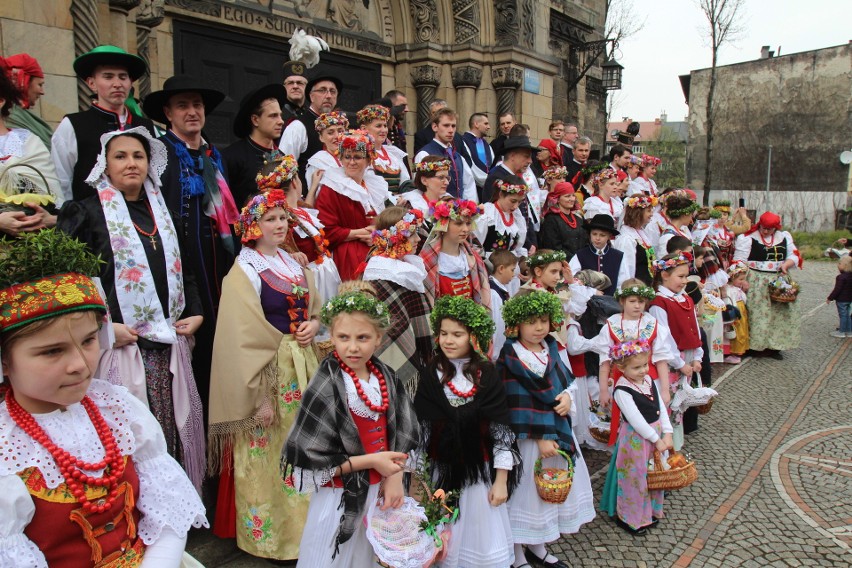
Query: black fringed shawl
325 436
458 440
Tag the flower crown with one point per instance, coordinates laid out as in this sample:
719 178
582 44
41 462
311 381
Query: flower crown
445 211
688 210
545 258
642 291
603 175
395 242
679 260
627 349
356 301
247 226
592 170
723 206
674 193
467 312
333 118
519 309
641 201
436 166
650 161
359 141
636 160
373 112
285 170
736 268
514 188
555 172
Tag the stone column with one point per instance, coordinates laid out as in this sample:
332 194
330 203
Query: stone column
466 79
118 10
506 81
426 79
149 16
84 14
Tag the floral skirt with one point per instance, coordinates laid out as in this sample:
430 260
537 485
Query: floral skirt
270 512
771 325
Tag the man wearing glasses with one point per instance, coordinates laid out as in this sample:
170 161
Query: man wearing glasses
300 138
294 83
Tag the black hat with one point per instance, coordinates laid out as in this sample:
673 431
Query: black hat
242 121
518 143
693 290
154 103
318 76
85 65
294 68
603 222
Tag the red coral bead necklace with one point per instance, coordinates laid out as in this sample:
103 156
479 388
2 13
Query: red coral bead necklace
383 385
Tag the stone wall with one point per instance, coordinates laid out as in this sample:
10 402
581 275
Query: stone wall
801 104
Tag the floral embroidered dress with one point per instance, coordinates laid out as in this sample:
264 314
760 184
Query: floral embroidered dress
259 368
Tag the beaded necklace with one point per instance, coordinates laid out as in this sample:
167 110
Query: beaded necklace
383 385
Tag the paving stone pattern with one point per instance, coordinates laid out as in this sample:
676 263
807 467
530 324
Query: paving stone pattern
775 467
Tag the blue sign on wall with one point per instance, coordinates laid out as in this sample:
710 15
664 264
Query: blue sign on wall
532 81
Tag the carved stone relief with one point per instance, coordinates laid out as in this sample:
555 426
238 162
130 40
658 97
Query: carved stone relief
466 21
506 28
84 14
424 14
425 79
527 22
467 76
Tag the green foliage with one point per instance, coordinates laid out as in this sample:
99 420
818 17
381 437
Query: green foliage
356 301
672 151
467 312
813 245
44 253
524 307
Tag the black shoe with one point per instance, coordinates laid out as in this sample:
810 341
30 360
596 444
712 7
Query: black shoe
540 563
774 354
635 532
653 523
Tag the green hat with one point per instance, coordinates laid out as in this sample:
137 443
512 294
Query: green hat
85 65
522 307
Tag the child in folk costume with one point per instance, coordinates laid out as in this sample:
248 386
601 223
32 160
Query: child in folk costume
453 267
600 255
85 478
262 360
390 162
736 295
399 278
538 390
351 437
638 252
644 183
329 127
502 225
604 201
679 211
466 434
643 426
721 233
431 180
676 311
501 265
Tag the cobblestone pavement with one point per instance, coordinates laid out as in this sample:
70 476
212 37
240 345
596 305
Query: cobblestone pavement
774 459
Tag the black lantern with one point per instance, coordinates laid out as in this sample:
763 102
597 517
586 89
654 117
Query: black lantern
611 75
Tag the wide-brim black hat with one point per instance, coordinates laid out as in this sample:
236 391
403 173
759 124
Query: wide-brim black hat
85 65
603 222
315 77
518 143
242 121
154 103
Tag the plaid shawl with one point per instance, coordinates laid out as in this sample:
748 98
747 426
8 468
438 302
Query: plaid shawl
407 345
531 397
324 436
478 274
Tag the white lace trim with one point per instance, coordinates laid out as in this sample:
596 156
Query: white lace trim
453 265
308 481
533 361
373 198
633 329
71 430
371 389
156 166
493 217
460 381
18 550
261 262
166 499
12 143
409 273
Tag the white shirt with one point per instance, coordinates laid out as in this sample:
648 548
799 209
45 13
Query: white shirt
294 140
679 358
497 316
626 243
597 206
491 217
623 274
630 412
469 190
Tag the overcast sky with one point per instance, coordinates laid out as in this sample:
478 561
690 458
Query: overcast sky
672 43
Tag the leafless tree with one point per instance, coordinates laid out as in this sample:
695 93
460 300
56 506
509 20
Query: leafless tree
622 23
723 26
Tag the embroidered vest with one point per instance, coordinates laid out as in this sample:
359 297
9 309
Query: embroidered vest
761 253
682 322
608 263
282 307
504 294
643 258
454 286
616 338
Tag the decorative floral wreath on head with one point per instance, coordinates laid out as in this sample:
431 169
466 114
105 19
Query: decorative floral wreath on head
674 193
333 118
285 170
736 268
621 351
723 206
603 175
395 242
641 201
650 161
373 112
666 265
468 313
445 211
635 160
356 301
359 141
247 226
688 210
590 171
555 172
545 258
436 166
506 187
642 291
521 308
715 214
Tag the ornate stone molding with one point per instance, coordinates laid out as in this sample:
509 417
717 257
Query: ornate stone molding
123 5
425 79
466 21
467 76
84 16
527 20
424 15
514 22
506 81
149 16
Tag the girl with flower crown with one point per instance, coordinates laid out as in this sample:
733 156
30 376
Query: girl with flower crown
466 434
431 180
85 478
262 359
399 277
390 162
453 267
562 226
329 126
679 210
539 392
349 200
502 225
638 252
644 183
351 437
604 201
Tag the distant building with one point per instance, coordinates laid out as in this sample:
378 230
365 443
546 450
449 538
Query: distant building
799 105
661 138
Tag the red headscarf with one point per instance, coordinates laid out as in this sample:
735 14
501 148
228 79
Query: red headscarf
560 189
21 68
550 145
768 220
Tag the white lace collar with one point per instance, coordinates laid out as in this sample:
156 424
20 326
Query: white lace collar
261 262
494 215
396 157
417 200
666 293
371 389
12 143
459 381
409 273
156 166
372 198
535 362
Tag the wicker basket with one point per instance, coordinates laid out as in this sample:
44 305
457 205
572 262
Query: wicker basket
783 295
323 348
599 434
705 408
556 488
671 479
